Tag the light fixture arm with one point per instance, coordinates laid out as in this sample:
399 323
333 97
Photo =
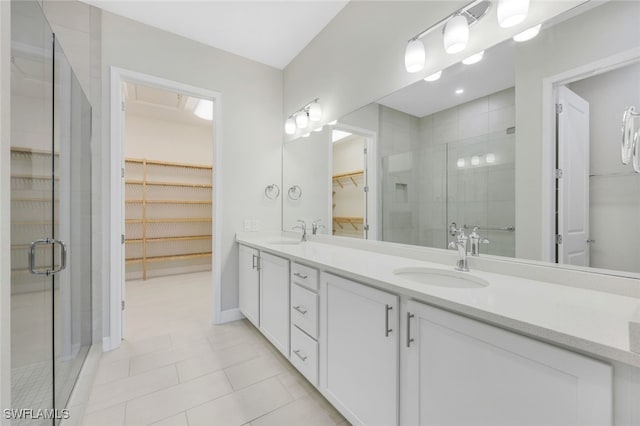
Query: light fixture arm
472 18
305 108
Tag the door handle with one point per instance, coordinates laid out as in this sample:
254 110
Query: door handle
45 242
299 275
300 309
302 357
387 330
409 339
253 262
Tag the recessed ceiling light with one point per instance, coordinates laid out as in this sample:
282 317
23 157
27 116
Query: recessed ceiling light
333 123
490 158
460 163
475 160
459 91
474 59
433 77
306 135
204 109
528 34
337 135
318 129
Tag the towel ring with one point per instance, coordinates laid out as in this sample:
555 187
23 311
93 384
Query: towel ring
294 193
272 191
629 140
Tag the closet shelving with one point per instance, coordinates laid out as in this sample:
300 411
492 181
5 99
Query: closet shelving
168 217
340 181
345 177
353 221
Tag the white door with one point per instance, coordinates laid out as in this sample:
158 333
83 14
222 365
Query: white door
249 283
573 185
461 372
274 301
359 338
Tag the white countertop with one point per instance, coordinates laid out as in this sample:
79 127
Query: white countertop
588 321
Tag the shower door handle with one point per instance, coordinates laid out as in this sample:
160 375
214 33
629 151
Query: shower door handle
43 242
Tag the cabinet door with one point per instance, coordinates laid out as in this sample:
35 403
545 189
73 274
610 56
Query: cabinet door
274 306
359 346
249 283
464 372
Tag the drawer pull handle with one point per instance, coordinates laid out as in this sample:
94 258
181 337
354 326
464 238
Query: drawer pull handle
302 357
409 338
387 330
301 310
299 275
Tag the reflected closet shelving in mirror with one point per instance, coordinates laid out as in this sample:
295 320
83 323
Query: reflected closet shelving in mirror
168 211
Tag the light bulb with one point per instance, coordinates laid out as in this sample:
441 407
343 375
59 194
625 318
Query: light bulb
414 56
490 158
456 34
306 135
318 129
527 34
475 160
512 12
302 120
433 77
460 163
290 126
459 91
474 59
333 123
204 109
315 111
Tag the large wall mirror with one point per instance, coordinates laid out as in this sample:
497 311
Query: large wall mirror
522 143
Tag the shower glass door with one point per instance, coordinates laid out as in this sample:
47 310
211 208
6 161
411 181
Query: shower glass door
50 221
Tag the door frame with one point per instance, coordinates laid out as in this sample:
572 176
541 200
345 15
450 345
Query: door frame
371 176
549 142
116 281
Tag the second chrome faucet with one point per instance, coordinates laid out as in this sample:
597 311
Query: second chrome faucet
461 243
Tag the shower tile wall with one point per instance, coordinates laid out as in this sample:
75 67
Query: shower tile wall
424 189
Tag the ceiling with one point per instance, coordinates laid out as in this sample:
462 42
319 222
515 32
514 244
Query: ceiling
161 104
270 32
495 72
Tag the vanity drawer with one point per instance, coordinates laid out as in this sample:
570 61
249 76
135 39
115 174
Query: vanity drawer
304 354
306 276
304 310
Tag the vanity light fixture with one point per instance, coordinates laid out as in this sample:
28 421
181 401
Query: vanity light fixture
204 109
474 59
512 12
300 119
490 158
475 160
433 77
461 163
459 91
414 56
455 34
527 35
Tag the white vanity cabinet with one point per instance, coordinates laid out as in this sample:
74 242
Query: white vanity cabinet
359 340
457 371
249 283
274 300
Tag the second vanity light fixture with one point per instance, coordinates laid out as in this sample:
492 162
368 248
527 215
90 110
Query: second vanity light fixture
301 118
456 29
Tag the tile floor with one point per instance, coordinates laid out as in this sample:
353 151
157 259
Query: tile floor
175 368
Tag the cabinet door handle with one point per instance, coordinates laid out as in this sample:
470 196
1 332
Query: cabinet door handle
299 275
258 262
409 339
301 310
253 262
302 357
387 330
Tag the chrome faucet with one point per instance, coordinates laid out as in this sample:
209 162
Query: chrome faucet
315 226
460 243
303 227
476 240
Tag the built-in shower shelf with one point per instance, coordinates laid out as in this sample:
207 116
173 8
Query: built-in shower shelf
36 200
33 151
34 177
343 178
180 194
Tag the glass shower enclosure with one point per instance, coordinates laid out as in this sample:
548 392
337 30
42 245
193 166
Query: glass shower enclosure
51 323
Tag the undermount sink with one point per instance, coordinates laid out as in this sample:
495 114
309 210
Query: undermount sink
441 277
285 242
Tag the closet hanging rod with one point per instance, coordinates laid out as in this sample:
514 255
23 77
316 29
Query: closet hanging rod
167 163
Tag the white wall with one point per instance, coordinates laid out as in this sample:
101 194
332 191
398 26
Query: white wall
606 30
614 202
366 43
165 140
252 121
5 208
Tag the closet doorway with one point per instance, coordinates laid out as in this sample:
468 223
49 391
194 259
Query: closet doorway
164 136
